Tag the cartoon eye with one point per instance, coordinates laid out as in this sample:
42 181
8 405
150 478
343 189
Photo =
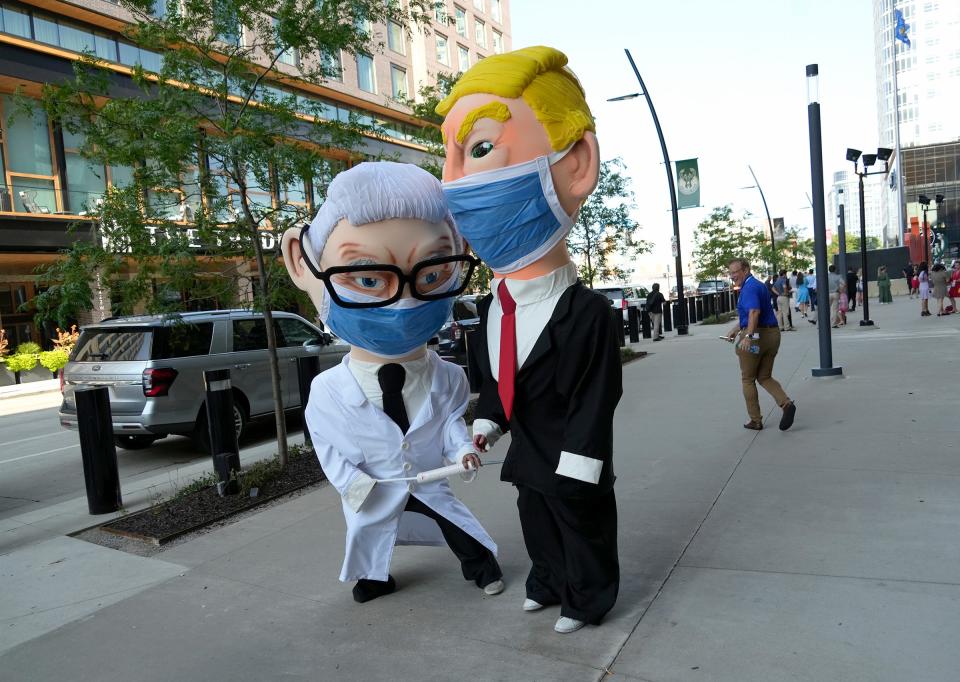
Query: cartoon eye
368 282
481 149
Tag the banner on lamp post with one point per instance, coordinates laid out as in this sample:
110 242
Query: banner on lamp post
688 184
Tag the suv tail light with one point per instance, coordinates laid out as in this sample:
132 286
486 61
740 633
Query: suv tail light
456 331
157 381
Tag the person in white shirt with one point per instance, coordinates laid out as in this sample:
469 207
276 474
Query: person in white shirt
382 262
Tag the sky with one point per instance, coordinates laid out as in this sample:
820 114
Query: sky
728 83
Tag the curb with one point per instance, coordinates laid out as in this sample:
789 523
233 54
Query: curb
30 388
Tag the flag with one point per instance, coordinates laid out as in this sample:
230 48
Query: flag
688 184
900 32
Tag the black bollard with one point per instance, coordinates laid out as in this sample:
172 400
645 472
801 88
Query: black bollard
97 449
221 428
633 324
699 300
645 324
308 367
692 309
667 318
618 322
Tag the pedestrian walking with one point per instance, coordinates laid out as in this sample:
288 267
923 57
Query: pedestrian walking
782 288
883 285
915 283
812 288
803 295
861 283
954 290
939 278
655 302
757 346
851 289
834 282
924 289
844 305
908 275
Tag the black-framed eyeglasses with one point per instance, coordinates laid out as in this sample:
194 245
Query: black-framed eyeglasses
429 280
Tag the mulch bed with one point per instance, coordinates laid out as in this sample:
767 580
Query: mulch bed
185 513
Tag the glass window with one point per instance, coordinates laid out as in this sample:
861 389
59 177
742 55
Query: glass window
33 195
365 74
497 42
496 11
28 140
46 31
396 41
287 56
464 54
478 4
480 32
120 345
129 54
443 54
151 61
182 341
226 23
121 176
294 332
332 66
86 179
398 82
461 15
105 48
16 22
440 12
76 39
249 335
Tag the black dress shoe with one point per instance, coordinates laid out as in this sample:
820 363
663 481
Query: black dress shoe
365 590
789 411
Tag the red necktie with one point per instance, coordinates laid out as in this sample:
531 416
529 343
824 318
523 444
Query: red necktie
508 348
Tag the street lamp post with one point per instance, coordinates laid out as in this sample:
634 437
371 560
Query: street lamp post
925 202
826 368
867 160
842 240
681 321
773 243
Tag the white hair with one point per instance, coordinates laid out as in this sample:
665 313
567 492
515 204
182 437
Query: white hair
374 191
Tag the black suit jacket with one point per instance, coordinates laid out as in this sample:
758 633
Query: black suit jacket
565 395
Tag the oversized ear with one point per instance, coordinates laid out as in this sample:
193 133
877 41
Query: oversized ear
586 171
293 257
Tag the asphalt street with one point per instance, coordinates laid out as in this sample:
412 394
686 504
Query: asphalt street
40 462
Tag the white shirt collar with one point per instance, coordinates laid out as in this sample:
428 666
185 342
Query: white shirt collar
527 291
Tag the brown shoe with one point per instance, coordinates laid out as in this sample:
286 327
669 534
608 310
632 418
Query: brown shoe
786 421
753 426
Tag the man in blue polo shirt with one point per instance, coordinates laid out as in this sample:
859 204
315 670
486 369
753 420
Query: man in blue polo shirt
757 327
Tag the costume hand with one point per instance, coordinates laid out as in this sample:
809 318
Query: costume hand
480 443
471 461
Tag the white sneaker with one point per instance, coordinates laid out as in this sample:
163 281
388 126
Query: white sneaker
567 625
496 587
530 605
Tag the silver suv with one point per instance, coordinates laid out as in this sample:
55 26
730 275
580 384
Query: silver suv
153 367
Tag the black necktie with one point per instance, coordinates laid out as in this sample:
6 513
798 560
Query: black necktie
391 379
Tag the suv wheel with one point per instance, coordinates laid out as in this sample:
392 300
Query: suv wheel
138 442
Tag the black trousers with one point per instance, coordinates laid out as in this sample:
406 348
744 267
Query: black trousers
476 561
573 546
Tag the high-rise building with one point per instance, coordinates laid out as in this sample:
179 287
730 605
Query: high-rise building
46 185
845 191
928 97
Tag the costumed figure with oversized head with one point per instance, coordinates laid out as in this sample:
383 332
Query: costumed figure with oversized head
382 261
521 158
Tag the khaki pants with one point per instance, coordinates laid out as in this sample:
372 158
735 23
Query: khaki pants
759 369
835 308
656 322
783 311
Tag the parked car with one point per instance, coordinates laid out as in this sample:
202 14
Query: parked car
625 296
452 336
712 286
687 291
153 368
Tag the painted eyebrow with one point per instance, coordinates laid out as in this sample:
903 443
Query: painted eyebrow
498 111
439 241
351 249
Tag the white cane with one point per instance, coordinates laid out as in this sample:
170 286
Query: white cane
436 474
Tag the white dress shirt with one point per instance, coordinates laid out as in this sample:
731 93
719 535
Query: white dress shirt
536 300
416 385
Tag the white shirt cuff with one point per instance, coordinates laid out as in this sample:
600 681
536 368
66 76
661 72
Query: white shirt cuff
488 429
358 490
586 469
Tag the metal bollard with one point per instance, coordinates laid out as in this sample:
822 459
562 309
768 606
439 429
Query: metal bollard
691 310
222 430
633 324
667 317
308 367
645 324
699 307
618 323
97 449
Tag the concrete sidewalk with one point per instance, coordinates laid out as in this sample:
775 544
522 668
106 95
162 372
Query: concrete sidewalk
827 552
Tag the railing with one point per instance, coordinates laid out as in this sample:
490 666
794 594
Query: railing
39 197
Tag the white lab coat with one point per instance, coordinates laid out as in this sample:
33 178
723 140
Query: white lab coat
351 435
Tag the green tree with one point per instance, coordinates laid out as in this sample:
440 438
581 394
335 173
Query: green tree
793 252
721 238
213 141
604 227
853 243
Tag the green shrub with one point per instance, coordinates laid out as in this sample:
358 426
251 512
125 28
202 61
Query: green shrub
21 362
55 359
28 348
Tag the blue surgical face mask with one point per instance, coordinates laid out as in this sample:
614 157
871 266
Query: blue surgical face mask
511 216
391 331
